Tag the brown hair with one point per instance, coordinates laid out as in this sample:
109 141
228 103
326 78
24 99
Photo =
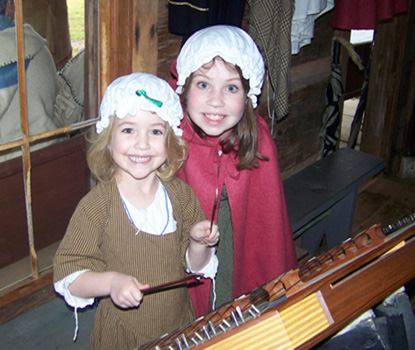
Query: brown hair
243 140
103 167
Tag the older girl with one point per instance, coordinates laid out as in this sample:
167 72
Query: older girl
219 76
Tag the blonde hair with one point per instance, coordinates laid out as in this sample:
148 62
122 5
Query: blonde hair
103 167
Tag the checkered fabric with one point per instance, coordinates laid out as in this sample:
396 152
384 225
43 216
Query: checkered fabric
270 27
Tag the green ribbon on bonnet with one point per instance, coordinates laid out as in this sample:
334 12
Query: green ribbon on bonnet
152 100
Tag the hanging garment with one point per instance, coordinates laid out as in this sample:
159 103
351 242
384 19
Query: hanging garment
270 27
187 17
365 14
330 129
305 14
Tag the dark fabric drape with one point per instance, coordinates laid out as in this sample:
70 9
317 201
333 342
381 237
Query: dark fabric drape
187 17
365 14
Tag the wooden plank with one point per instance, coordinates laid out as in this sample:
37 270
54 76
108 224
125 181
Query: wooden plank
128 38
144 53
25 296
385 78
105 45
384 200
91 68
25 133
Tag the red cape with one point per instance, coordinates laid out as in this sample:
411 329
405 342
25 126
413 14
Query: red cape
263 241
262 236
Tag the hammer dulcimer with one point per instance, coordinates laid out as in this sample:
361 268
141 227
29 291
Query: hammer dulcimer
306 305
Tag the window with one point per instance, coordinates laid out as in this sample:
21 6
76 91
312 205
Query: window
43 119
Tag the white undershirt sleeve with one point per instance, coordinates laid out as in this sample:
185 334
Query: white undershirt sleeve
210 269
61 287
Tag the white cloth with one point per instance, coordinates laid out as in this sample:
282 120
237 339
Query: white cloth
41 87
305 14
54 99
157 218
70 103
61 287
210 269
140 91
233 45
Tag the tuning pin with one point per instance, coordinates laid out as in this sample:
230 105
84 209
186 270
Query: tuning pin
206 332
179 344
251 313
199 336
234 318
186 343
255 309
241 316
212 327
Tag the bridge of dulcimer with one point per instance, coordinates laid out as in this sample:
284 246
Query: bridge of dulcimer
310 303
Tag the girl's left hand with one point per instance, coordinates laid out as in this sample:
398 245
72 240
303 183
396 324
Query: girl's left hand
202 234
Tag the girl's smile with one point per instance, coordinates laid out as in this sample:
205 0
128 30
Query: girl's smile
140 159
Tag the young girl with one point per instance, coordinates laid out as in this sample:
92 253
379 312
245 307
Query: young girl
220 73
139 225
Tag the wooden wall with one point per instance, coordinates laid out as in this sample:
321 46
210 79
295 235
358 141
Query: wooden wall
390 115
297 136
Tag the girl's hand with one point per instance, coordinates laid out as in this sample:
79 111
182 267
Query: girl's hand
202 234
125 291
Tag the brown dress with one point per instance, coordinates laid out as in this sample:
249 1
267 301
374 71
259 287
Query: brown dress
100 237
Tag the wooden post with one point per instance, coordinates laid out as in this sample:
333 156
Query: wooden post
128 38
145 36
91 70
388 83
25 135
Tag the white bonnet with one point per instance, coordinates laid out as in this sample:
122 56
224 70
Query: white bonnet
140 91
233 45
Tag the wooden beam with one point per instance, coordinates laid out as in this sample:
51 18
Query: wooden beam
105 44
91 66
26 295
145 36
